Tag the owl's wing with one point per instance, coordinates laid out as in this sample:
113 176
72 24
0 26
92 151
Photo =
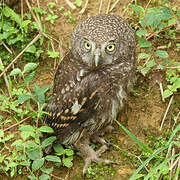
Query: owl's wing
75 97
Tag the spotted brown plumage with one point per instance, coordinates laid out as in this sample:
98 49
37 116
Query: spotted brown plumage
92 83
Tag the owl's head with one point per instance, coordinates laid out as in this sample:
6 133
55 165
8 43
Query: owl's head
101 40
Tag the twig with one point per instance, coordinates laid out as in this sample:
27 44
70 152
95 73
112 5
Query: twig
166 112
113 6
100 6
70 4
25 119
22 8
7 47
147 5
109 3
166 27
56 177
15 59
84 8
38 4
32 42
161 90
175 121
130 154
6 79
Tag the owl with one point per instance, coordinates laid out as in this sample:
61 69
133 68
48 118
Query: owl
91 84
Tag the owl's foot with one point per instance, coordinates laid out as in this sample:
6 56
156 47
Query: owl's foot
94 156
98 139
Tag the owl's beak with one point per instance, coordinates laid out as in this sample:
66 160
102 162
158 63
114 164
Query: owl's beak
97 54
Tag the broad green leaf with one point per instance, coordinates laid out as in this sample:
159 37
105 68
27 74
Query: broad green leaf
8 12
167 93
69 152
37 164
33 154
27 134
141 32
29 77
39 93
23 97
48 141
59 149
44 177
30 66
178 12
161 53
143 43
79 3
15 72
27 128
176 84
67 162
150 63
47 170
53 54
155 16
46 129
143 56
53 158
31 49
139 10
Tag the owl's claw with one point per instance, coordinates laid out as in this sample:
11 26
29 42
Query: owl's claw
95 158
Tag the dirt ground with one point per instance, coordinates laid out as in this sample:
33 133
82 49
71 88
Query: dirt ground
145 109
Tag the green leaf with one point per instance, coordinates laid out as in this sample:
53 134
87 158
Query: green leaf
47 170
161 53
79 3
46 129
167 93
53 158
143 43
37 164
178 12
27 128
44 177
31 49
33 154
67 162
53 54
139 10
39 93
69 152
29 77
176 84
59 149
155 16
143 56
151 63
48 141
27 134
15 72
22 98
141 32
30 66
1 133
8 12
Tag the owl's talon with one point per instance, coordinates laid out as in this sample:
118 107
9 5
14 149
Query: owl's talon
95 158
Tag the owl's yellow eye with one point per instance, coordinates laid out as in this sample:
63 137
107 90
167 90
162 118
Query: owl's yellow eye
87 45
110 47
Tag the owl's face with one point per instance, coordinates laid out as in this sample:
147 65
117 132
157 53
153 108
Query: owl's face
96 54
100 40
